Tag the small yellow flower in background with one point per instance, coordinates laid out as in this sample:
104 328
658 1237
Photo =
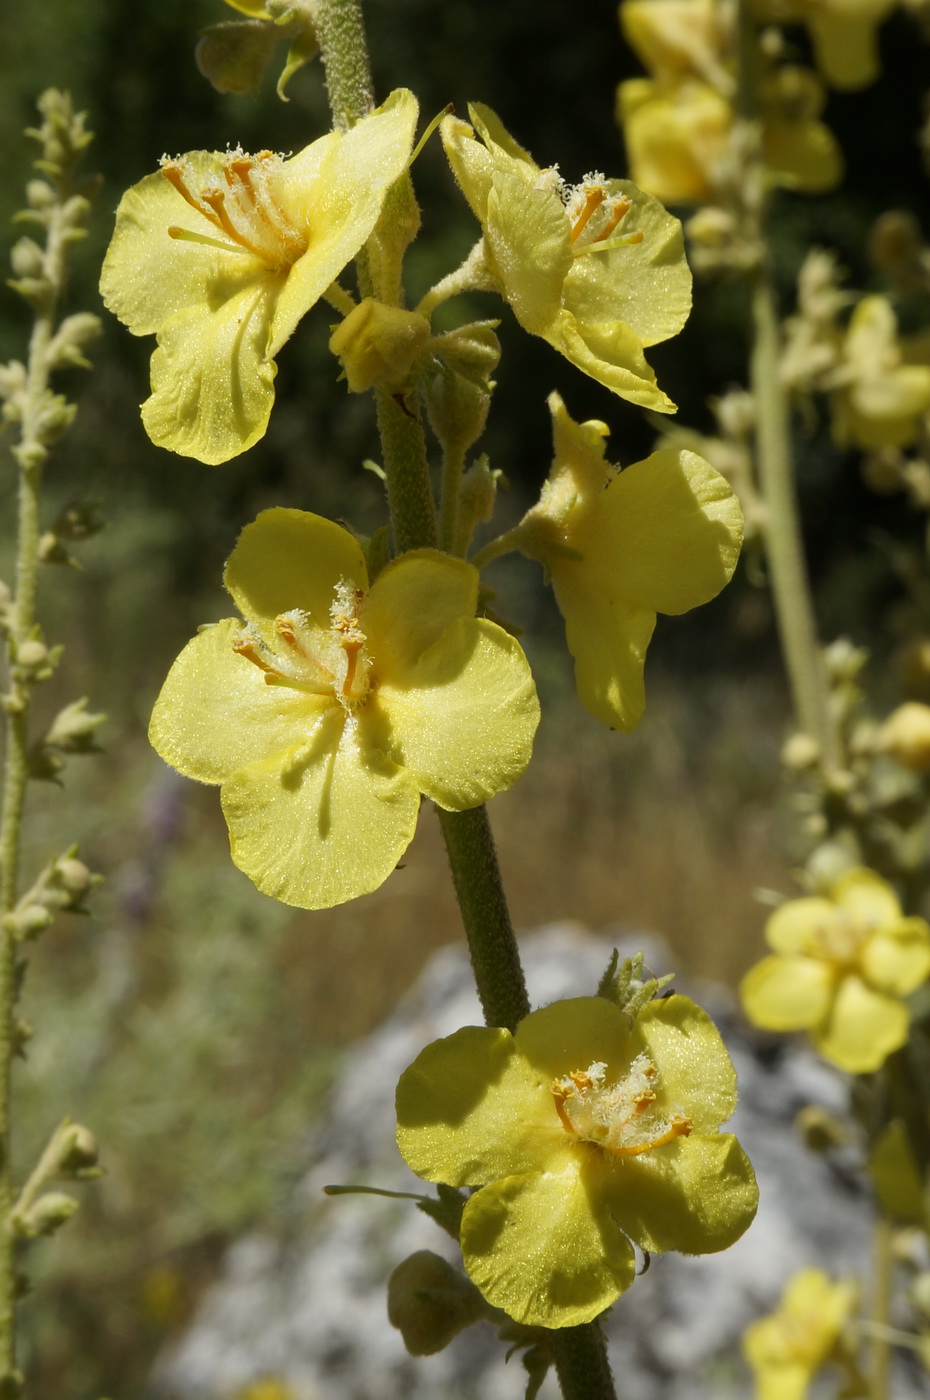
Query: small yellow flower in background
798 149
676 136
222 254
334 705
269 1387
906 736
585 1129
845 38
662 535
788 1348
840 969
676 39
597 269
879 401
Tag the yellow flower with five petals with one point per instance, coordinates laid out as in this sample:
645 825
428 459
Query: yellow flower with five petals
840 969
585 1130
221 255
788 1348
336 704
597 269
663 535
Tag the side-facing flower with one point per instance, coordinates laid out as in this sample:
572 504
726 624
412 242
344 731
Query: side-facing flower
840 969
677 136
788 1348
585 1130
663 535
222 254
878 400
334 705
597 269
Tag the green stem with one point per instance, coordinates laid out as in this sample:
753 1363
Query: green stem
581 1363
341 32
879 1342
453 465
794 610
495 958
410 493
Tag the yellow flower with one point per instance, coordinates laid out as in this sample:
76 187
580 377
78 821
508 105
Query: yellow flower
660 536
788 1348
677 39
328 712
598 270
879 401
676 136
585 1129
906 736
840 969
222 254
845 38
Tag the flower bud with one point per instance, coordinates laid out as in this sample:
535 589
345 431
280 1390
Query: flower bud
74 729
906 736
27 258
473 351
458 410
79 1150
378 344
825 865
12 379
73 876
28 921
800 752
429 1302
44 1216
32 655
72 337
54 417
40 194
478 492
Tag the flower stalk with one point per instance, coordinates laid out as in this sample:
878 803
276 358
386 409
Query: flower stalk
582 1365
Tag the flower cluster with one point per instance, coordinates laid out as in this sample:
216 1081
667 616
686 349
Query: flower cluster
586 1131
680 123
787 1349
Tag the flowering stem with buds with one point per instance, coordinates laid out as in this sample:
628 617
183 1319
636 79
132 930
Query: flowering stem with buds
581 1360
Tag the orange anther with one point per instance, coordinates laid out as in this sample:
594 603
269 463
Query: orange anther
593 201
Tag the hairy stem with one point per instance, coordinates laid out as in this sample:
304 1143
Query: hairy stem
341 32
581 1363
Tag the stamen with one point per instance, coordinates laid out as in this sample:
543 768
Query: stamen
217 202
172 173
245 646
678 1127
626 240
593 201
186 236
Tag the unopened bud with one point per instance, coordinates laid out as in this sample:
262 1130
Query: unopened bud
73 876
55 415
736 413
429 1302
473 351
378 344
40 194
28 921
32 655
800 752
45 1216
12 379
79 1150
27 258
906 736
825 865
710 227
478 492
843 660
71 339
820 1130
895 240
74 729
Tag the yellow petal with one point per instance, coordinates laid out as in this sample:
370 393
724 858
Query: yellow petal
803 925
675 137
336 192
608 638
471 164
528 240
896 959
463 717
866 898
846 44
212 386
292 559
324 823
696 1074
789 993
411 603
612 354
862 1029
804 155
215 714
537 1247
696 1194
646 285
471 1108
149 276
666 533
572 1034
